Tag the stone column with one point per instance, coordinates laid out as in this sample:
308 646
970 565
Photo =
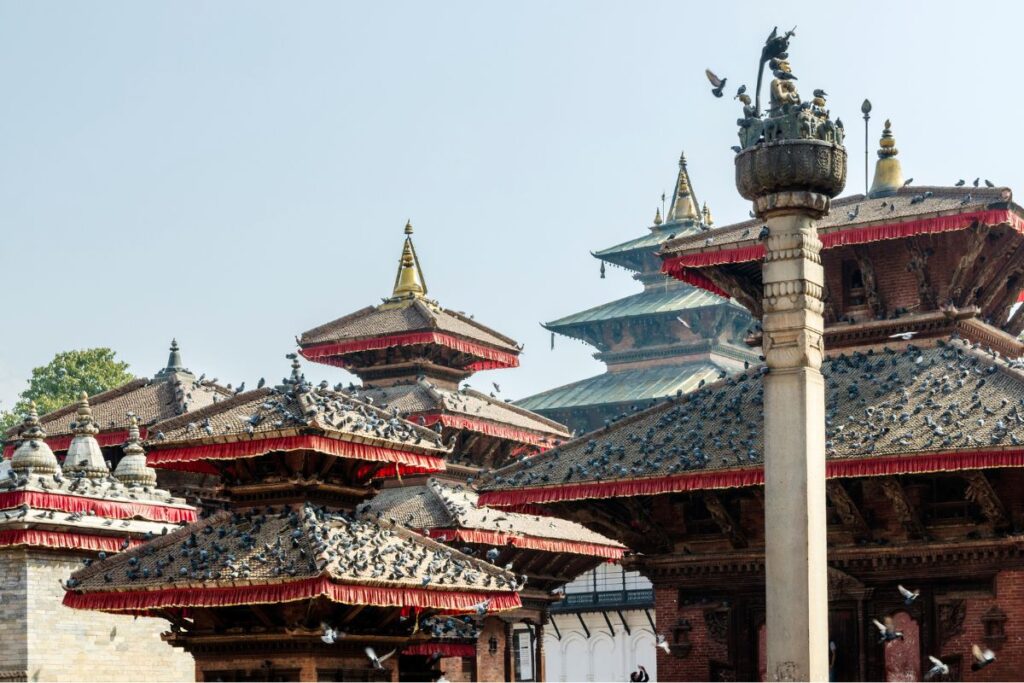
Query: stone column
794 439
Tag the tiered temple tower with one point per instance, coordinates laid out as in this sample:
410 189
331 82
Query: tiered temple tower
53 519
411 354
288 584
669 338
923 433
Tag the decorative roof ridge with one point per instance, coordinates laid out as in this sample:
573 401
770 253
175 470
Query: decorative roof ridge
212 409
519 410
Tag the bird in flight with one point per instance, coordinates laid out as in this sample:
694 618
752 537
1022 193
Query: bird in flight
378 662
938 669
908 596
717 84
982 658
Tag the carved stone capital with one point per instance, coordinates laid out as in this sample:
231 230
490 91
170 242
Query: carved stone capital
793 202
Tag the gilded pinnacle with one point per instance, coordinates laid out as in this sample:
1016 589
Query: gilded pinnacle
657 216
888 172
409 281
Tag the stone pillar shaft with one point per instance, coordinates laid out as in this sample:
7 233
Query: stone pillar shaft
794 443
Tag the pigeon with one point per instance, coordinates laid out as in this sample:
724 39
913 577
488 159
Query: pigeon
907 182
908 596
329 635
820 93
887 632
736 148
492 554
905 336
481 607
961 182
968 199
764 233
982 658
718 84
853 214
496 387
938 669
261 383
663 643
740 92
378 662
988 183
683 322
976 181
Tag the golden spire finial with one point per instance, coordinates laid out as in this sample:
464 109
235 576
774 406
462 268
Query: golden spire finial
657 216
684 204
708 220
409 282
888 172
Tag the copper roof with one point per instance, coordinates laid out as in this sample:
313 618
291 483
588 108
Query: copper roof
267 546
423 397
416 315
942 399
443 505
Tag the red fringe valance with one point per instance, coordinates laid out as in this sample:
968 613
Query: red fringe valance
257 447
226 596
694 277
61 443
754 476
63 540
488 428
442 649
490 358
115 509
551 545
370 471
677 265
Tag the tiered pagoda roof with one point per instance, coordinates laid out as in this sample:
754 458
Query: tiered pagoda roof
663 340
411 354
172 391
409 335
81 507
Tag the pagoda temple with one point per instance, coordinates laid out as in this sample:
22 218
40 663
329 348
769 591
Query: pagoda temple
172 391
55 518
924 388
411 354
669 338
287 583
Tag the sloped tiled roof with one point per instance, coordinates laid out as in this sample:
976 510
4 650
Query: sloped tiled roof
624 386
422 397
272 411
268 546
416 315
619 254
151 400
443 505
945 399
856 211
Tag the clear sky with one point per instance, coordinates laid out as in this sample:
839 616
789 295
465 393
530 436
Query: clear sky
233 173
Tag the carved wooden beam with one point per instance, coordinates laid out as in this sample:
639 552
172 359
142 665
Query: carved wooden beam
979 235
905 512
1008 269
980 492
747 295
996 260
724 520
846 509
867 273
642 514
918 265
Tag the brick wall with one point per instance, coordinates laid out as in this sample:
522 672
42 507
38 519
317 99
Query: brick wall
69 645
299 667
13 615
490 667
697 665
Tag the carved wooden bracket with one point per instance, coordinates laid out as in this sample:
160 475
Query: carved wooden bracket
918 265
901 505
951 619
724 520
980 492
846 509
716 621
867 273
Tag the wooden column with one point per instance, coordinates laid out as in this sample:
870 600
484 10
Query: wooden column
510 664
540 670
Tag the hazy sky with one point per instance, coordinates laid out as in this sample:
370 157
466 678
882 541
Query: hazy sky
233 173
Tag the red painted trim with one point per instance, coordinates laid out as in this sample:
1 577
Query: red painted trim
226 596
490 429
442 649
862 235
552 545
490 358
694 277
63 540
115 509
61 443
754 476
175 458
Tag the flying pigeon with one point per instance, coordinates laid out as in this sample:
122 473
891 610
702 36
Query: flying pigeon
887 631
718 84
982 658
908 596
378 662
938 669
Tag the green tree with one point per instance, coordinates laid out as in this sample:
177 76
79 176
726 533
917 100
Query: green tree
60 381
